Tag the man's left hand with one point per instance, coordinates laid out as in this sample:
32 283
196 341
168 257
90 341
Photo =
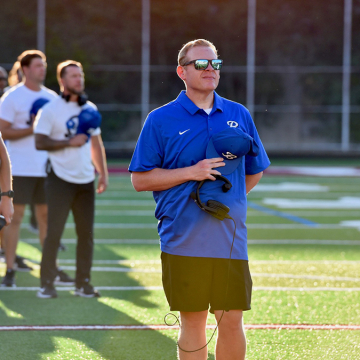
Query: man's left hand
7 209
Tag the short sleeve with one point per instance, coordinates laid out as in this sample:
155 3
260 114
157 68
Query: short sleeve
255 164
43 121
7 109
148 153
96 132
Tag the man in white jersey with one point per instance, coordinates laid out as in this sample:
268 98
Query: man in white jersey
18 108
70 182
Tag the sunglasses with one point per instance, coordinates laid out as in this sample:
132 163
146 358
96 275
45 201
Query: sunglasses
202 64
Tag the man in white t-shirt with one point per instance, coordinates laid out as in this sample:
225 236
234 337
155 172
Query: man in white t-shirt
70 183
18 108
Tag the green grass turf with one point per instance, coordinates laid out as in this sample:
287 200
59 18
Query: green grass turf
161 345
149 307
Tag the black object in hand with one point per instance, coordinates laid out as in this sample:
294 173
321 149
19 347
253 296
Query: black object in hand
2 221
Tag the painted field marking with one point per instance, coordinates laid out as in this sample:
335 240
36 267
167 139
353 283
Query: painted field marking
150 288
157 262
250 242
308 277
258 213
175 327
115 269
266 275
345 202
282 214
327 171
249 226
351 223
125 213
290 187
318 213
304 242
125 202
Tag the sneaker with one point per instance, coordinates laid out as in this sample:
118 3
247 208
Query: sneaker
86 290
63 278
47 292
21 266
9 279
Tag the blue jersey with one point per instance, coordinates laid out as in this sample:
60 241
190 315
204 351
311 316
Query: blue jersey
175 136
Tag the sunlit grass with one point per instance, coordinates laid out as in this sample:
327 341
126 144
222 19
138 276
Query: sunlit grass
271 264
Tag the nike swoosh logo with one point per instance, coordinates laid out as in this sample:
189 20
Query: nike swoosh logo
183 132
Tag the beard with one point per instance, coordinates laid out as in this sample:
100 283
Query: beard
74 91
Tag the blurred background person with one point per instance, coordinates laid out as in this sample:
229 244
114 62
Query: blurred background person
69 129
18 108
15 76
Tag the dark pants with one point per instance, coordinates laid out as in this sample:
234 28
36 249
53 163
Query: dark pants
62 196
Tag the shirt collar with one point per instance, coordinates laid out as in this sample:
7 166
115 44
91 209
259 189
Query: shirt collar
193 109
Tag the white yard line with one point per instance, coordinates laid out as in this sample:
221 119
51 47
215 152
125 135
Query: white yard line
250 242
308 277
150 288
175 327
125 202
255 262
266 275
249 226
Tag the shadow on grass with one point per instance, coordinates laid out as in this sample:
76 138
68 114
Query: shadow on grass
113 308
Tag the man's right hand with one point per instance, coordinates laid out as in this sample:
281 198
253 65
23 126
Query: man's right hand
204 169
78 140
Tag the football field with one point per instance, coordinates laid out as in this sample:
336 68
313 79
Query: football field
304 251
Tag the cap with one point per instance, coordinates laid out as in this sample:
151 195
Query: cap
231 144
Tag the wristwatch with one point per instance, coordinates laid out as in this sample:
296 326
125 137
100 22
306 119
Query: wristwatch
9 193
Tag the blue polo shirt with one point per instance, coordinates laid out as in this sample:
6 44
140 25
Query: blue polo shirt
176 136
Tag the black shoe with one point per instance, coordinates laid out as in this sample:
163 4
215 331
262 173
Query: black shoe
62 247
47 292
9 279
86 290
21 266
62 278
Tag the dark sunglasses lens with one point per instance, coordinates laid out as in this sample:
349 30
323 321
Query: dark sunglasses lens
216 64
201 64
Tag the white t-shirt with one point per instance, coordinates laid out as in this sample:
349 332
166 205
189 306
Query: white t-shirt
15 107
59 121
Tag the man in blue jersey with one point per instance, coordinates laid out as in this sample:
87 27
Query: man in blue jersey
182 143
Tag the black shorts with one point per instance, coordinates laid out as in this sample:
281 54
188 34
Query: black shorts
193 283
29 190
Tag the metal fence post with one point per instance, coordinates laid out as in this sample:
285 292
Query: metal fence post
346 83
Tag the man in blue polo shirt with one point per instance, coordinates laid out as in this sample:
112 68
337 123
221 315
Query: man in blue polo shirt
197 137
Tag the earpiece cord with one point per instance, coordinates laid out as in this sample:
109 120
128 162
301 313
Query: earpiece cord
226 297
